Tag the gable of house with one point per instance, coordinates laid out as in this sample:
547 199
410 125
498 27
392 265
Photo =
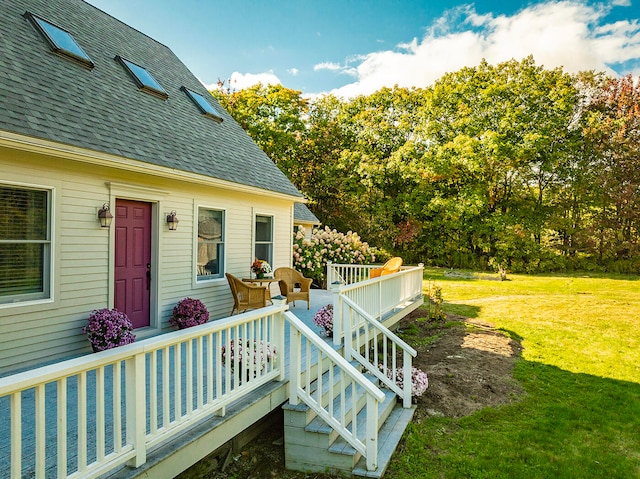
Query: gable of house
102 108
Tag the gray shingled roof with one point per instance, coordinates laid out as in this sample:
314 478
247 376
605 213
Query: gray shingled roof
302 213
46 96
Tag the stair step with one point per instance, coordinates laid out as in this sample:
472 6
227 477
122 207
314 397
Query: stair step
388 439
341 446
319 425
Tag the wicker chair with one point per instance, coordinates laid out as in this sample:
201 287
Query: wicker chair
391 266
293 285
246 295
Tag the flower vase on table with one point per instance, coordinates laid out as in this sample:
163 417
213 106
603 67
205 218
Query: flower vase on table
260 267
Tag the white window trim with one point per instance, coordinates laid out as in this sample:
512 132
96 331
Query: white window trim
272 242
201 282
48 267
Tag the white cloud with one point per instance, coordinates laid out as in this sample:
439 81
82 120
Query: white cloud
327 66
238 81
293 71
565 33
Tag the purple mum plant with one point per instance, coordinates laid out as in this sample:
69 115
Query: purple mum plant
324 319
419 379
189 312
108 328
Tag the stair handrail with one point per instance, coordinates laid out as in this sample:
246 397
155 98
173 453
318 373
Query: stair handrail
372 324
369 448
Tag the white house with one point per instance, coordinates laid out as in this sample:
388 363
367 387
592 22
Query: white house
95 115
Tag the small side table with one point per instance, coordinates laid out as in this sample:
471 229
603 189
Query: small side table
263 281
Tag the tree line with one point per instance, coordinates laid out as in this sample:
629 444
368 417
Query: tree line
509 166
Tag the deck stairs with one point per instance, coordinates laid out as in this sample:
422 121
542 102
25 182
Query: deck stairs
312 445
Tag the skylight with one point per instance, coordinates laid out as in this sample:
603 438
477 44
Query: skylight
61 41
143 78
204 106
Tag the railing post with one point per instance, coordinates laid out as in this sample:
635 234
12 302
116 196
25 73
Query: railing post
406 374
372 433
278 335
294 364
330 276
136 416
337 318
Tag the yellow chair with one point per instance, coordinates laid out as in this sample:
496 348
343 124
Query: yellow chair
293 285
246 295
391 266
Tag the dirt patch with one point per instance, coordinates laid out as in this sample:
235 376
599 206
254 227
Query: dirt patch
469 364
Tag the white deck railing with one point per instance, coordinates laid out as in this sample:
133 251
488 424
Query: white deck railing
332 405
110 407
378 296
378 349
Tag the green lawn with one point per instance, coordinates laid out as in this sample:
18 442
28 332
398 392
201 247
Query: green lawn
580 416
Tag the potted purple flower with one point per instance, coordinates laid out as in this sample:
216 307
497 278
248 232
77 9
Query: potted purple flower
324 319
189 312
108 328
419 380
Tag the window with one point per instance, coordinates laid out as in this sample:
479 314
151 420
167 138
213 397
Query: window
143 78
204 106
263 248
61 41
25 244
210 262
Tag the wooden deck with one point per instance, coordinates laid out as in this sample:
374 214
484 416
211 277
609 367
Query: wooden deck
198 440
162 404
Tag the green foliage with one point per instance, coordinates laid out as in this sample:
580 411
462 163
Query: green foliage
510 166
310 255
436 301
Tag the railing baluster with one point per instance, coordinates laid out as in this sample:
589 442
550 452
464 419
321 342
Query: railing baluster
166 388
153 392
40 431
61 450
189 377
200 373
16 435
100 412
82 421
117 407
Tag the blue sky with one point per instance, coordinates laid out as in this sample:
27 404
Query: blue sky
355 47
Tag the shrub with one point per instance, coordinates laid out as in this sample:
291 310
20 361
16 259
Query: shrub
189 312
310 256
108 328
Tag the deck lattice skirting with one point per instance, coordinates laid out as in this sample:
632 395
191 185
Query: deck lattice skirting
97 414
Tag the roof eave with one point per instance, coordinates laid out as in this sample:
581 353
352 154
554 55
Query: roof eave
60 150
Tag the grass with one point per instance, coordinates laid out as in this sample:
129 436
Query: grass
580 416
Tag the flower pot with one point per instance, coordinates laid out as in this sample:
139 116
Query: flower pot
260 275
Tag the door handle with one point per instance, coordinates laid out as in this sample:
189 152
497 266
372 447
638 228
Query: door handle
148 276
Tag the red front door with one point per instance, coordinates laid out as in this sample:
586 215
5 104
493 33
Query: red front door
133 260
